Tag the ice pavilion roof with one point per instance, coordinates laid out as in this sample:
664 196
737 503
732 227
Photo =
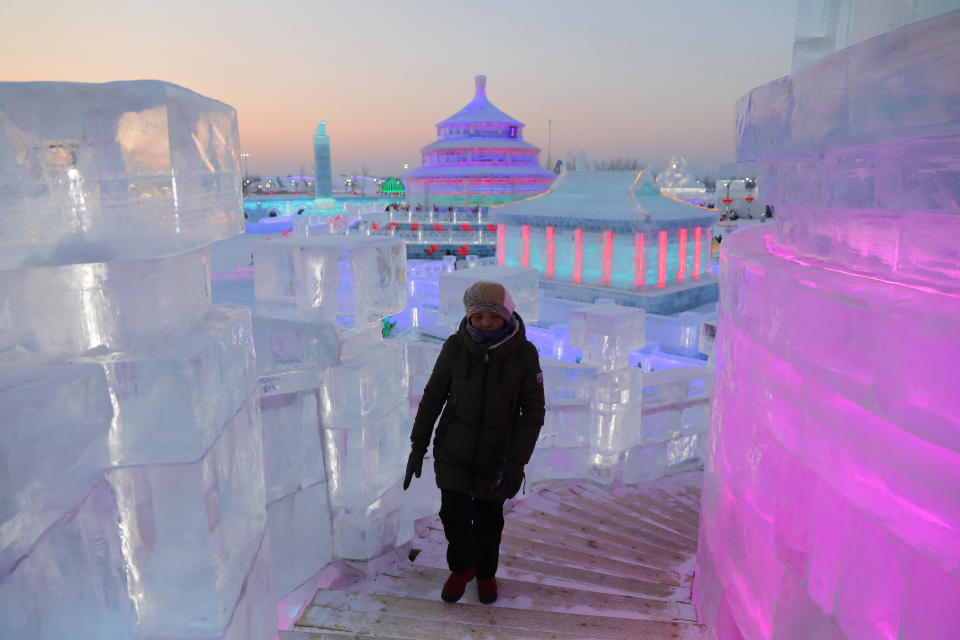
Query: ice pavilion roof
478 170
480 109
604 200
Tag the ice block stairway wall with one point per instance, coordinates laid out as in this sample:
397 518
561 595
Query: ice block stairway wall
333 399
131 481
830 501
608 421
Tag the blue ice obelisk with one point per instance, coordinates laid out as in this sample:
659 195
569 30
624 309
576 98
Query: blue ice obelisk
323 181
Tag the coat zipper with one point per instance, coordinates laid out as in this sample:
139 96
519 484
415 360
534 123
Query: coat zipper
483 397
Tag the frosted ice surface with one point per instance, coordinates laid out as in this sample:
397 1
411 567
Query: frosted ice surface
624 386
355 392
53 446
614 428
361 532
255 616
567 382
523 284
171 403
669 386
65 311
300 537
607 334
565 427
87 168
191 531
284 344
63 589
154 550
353 281
362 463
292 453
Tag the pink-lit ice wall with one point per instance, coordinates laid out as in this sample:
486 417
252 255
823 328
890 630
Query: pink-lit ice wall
831 498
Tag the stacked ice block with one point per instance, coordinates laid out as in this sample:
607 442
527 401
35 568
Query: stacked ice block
830 504
333 397
132 503
607 420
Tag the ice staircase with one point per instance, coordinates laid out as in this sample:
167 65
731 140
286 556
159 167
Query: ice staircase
577 561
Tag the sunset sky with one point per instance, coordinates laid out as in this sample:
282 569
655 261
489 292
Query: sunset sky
618 78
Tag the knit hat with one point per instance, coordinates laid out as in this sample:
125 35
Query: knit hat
488 296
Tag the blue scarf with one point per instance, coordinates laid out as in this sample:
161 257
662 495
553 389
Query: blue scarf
487 339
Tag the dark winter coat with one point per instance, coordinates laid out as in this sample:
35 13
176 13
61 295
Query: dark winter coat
492 403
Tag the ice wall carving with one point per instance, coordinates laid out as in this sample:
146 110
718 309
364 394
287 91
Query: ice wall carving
132 493
830 492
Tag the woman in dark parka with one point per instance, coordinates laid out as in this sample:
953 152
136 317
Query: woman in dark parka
488 384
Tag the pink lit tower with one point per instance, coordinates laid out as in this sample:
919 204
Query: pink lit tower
479 159
831 496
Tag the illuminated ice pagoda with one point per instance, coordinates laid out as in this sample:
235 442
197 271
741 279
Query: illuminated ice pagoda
611 234
479 159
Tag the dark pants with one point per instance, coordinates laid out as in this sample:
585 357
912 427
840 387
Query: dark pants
472 527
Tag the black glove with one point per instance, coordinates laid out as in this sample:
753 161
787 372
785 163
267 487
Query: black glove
509 481
414 467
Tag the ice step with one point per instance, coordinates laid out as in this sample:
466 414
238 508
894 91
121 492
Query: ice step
569 569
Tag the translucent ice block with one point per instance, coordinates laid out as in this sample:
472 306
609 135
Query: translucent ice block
621 387
191 531
669 386
607 334
284 344
421 357
521 282
353 281
74 582
362 463
566 426
292 453
120 170
614 427
354 392
363 532
170 404
300 538
154 551
255 616
567 382
557 463
53 446
62 312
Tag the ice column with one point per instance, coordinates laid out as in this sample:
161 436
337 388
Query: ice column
333 398
132 495
830 502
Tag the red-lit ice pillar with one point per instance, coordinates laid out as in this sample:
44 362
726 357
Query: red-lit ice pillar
831 497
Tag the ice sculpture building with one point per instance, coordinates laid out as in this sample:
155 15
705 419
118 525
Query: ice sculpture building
132 491
611 234
830 499
479 159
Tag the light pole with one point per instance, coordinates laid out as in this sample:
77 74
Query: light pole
550 144
245 172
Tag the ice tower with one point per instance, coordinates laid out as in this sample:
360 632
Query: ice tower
323 180
131 476
830 502
479 159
